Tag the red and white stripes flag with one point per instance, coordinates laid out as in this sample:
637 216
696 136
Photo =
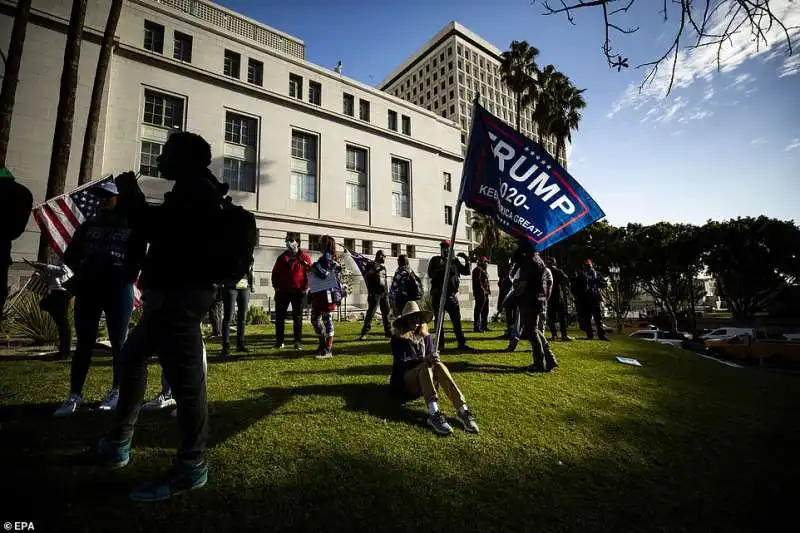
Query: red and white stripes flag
59 217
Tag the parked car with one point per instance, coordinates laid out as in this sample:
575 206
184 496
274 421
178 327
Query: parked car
747 346
676 340
729 333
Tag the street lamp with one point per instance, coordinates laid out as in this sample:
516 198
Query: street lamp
614 271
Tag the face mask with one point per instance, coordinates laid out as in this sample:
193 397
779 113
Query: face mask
328 256
291 246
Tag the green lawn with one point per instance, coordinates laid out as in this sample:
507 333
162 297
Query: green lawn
679 444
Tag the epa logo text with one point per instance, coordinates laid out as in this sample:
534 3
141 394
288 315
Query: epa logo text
19 526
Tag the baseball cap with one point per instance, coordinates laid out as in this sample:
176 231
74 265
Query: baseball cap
445 243
107 188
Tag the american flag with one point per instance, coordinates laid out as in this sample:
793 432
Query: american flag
360 261
59 217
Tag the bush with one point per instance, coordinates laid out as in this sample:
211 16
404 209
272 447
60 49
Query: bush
136 316
28 320
257 316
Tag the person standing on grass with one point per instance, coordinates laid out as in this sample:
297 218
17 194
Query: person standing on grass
106 254
436 269
375 276
406 285
548 283
325 286
290 280
56 302
16 202
503 288
418 371
533 292
165 399
511 304
594 284
215 313
578 289
481 290
556 305
189 228
236 295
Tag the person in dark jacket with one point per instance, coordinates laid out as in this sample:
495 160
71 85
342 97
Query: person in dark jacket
56 301
290 280
175 300
378 295
418 371
481 290
105 255
511 303
236 294
16 202
436 269
503 288
557 304
532 304
216 311
406 285
594 283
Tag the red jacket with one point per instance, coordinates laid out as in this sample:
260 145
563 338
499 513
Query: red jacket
290 271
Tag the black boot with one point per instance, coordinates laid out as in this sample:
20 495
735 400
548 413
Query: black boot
226 351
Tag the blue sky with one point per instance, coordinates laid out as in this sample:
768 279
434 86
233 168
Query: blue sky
721 145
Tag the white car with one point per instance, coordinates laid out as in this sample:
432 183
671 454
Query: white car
675 340
730 333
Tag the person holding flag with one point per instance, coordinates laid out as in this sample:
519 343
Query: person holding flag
55 300
515 181
375 278
445 273
106 255
325 286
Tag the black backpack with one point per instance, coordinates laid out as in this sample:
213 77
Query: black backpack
236 238
413 288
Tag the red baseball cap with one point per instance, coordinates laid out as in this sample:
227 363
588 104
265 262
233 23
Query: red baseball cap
587 262
484 259
445 243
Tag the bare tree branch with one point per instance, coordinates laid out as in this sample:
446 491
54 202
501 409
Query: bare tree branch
721 21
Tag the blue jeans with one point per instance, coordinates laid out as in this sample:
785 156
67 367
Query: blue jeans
116 300
239 298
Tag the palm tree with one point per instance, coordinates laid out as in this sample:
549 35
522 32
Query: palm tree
11 74
486 231
93 120
518 71
559 107
62 136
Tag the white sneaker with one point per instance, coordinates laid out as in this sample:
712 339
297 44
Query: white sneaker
110 401
69 406
162 401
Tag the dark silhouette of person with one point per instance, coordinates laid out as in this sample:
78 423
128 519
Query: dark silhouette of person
236 295
378 295
177 281
557 305
533 292
481 290
594 284
16 202
436 269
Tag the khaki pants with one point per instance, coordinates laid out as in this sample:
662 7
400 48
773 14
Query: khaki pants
424 380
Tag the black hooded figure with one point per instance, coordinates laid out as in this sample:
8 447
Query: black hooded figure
375 276
16 202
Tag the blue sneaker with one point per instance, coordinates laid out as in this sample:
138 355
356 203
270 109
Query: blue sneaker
182 478
114 454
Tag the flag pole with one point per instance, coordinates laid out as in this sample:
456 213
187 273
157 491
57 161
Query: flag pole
449 259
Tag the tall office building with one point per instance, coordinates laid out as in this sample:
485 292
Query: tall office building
448 71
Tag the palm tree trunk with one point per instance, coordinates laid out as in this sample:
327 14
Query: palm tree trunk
62 136
93 120
11 75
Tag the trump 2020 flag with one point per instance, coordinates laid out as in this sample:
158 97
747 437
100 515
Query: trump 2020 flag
513 179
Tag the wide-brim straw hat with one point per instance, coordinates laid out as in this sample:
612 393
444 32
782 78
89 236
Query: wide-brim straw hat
410 310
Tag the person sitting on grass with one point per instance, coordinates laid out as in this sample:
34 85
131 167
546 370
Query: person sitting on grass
418 371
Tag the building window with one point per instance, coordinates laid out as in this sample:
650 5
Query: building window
406 125
163 110
232 63
240 129
314 93
255 72
348 104
240 175
441 56
350 245
411 251
314 243
363 110
356 179
147 159
453 109
393 120
366 247
153 37
401 189
295 86
448 215
182 47
304 167
395 249
448 181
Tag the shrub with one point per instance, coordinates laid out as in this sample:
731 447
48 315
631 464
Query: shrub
27 320
257 316
136 316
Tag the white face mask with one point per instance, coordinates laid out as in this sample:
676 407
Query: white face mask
291 246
